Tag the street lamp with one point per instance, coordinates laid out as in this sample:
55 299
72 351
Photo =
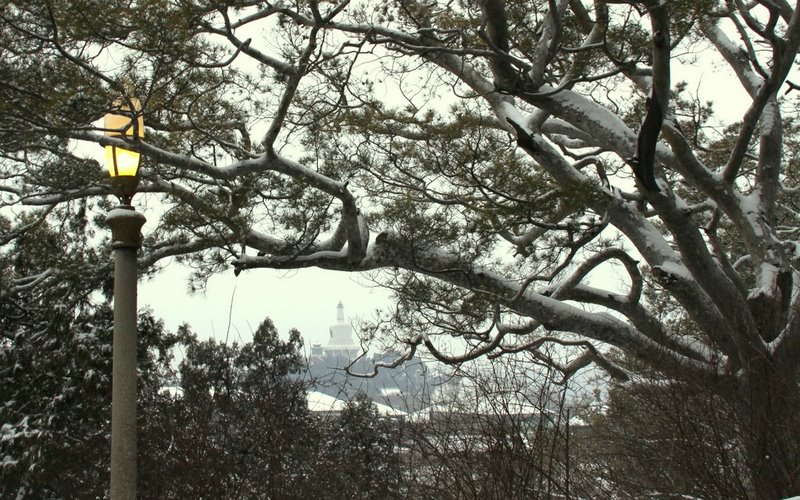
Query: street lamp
126 224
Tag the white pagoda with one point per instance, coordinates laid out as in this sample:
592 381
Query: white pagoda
340 343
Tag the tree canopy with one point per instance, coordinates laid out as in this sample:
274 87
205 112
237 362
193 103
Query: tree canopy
487 156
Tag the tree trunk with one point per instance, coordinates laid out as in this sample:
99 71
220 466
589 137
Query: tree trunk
770 399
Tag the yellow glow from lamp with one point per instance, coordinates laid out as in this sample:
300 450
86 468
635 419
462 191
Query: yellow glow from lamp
119 161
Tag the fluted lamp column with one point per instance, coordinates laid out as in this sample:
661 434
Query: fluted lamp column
126 224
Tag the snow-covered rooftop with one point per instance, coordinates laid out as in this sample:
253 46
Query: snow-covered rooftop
319 402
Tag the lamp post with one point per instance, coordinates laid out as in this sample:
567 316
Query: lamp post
126 224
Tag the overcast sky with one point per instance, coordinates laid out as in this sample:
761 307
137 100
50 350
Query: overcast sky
304 299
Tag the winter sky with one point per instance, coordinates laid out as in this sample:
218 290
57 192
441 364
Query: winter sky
305 299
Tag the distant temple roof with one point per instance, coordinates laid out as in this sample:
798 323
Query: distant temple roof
323 403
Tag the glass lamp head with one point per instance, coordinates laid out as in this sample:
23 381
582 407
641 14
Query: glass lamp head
123 164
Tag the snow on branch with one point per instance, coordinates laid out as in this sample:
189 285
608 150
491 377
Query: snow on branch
390 250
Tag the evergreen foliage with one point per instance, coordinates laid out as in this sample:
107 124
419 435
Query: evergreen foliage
477 155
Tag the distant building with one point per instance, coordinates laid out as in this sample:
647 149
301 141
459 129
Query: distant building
341 348
403 388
